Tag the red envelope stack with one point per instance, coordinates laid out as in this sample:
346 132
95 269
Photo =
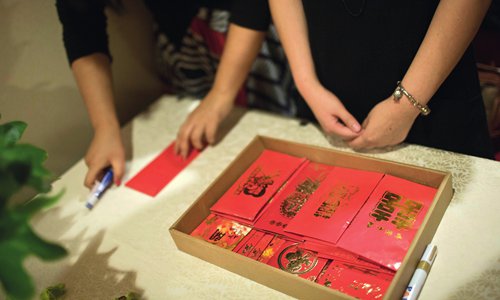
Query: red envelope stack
343 228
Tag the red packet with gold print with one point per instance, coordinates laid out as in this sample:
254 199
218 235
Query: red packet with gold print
260 246
272 248
296 260
333 252
384 228
251 192
332 207
288 202
355 281
328 250
222 232
248 243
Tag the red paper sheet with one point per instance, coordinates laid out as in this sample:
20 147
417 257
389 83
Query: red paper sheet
159 172
384 228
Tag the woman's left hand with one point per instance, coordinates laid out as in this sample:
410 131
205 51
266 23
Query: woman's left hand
387 124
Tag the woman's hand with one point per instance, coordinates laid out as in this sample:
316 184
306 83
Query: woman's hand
106 149
331 113
202 124
387 124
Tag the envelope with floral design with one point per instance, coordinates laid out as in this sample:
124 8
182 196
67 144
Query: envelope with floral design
252 191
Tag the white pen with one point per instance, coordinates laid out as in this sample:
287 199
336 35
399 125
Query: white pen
420 274
99 188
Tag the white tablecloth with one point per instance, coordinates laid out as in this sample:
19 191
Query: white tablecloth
123 244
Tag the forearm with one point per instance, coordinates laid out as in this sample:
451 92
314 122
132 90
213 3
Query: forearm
240 51
290 22
453 27
93 77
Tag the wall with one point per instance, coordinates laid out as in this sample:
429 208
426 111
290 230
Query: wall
37 86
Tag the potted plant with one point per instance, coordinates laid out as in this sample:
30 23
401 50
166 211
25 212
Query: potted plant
21 166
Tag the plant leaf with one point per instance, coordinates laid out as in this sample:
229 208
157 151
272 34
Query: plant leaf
11 132
29 208
15 280
21 165
53 292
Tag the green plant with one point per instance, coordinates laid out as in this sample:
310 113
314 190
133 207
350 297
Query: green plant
54 292
21 165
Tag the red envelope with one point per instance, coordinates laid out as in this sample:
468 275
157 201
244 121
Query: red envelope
272 248
289 200
248 244
221 232
332 207
260 246
159 172
328 250
252 191
355 281
243 242
384 228
296 260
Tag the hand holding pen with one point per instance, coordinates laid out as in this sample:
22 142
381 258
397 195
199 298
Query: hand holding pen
106 150
99 188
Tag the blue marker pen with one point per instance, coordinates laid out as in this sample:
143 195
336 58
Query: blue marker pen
99 188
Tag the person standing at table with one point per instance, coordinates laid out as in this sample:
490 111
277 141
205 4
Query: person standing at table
377 73
85 40
253 58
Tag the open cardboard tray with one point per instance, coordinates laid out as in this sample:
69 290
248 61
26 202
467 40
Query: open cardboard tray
281 280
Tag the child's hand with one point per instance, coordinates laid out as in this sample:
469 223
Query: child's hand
106 149
202 124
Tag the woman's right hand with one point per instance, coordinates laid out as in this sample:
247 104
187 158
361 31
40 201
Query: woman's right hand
201 126
106 149
331 113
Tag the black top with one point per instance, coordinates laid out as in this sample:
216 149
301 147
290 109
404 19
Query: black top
253 14
84 21
361 48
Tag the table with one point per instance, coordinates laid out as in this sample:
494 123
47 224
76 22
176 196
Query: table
123 244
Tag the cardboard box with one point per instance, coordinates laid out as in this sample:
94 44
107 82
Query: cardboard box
289 283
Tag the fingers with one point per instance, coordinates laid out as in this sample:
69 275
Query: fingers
338 127
183 140
118 166
362 143
211 132
193 134
197 137
92 175
349 121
